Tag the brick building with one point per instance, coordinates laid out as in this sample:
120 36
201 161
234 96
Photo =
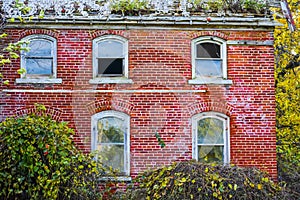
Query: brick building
203 84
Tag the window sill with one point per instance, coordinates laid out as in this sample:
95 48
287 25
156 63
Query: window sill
116 179
212 81
39 80
106 80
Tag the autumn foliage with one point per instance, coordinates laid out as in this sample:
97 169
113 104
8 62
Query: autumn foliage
287 75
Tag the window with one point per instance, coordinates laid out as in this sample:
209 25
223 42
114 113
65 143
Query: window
211 137
110 138
40 61
110 60
209 61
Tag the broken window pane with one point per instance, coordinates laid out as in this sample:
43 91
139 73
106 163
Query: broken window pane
110 58
110 66
208 60
208 50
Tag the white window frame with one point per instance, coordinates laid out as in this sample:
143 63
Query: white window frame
122 116
40 79
226 133
223 50
102 80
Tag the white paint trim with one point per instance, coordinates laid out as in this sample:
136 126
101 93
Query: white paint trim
251 42
117 38
101 91
122 116
39 80
223 57
203 81
53 54
118 178
226 133
105 80
100 26
237 22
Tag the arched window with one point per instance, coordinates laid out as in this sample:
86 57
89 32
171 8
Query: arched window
110 60
211 137
40 61
110 138
209 61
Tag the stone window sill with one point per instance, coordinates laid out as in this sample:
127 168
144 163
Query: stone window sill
116 179
210 81
110 80
40 80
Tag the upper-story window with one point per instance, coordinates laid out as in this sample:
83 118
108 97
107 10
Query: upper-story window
211 137
40 61
110 60
110 138
209 61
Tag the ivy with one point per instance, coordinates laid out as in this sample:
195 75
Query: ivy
38 160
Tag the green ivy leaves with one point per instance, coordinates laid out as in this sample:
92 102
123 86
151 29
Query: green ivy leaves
38 160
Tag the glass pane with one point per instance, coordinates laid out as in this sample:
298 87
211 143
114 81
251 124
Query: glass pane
208 50
111 130
39 48
210 131
110 48
39 66
209 68
112 156
110 66
210 153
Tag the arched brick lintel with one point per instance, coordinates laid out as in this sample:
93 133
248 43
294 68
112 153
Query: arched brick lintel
53 112
103 105
224 108
28 32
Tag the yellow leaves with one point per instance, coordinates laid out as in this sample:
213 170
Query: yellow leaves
21 71
3 35
235 187
6 82
206 170
183 180
259 186
265 179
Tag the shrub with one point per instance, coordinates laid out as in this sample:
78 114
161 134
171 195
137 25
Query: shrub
38 160
289 172
194 180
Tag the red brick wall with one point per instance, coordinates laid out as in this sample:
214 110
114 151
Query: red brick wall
159 59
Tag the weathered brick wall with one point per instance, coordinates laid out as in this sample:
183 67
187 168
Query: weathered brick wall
158 59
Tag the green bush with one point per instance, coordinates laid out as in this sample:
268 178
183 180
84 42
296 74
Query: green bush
194 180
38 160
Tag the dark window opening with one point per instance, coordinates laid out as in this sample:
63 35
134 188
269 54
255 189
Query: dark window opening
208 50
110 66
